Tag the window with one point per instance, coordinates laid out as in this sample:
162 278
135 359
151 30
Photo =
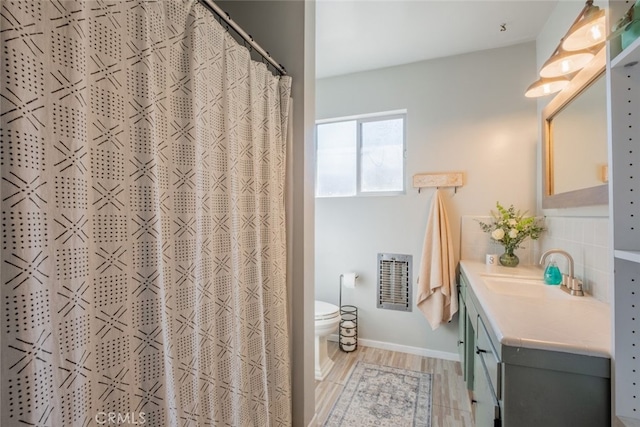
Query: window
360 156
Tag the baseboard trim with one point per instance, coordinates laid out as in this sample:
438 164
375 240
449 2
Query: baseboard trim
403 348
314 421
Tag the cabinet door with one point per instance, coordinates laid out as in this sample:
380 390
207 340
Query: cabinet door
489 356
470 348
487 407
462 332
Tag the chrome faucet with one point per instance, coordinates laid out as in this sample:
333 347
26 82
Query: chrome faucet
569 283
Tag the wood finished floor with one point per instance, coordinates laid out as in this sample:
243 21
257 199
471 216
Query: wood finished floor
450 401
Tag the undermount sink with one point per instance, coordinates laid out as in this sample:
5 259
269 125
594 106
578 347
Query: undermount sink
519 286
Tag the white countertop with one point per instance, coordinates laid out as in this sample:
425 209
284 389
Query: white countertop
580 325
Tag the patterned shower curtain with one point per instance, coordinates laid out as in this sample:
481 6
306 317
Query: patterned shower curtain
143 259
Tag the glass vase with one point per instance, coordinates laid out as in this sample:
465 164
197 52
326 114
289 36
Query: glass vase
509 259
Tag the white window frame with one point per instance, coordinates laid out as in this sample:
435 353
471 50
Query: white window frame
360 119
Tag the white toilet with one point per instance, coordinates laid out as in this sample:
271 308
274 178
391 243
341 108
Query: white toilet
326 321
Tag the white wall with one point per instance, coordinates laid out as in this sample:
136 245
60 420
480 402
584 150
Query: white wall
583 232
465 113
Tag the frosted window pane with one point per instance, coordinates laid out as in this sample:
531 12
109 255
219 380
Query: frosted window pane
336 159
382 161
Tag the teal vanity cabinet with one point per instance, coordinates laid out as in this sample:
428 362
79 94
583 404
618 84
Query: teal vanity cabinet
550 388
483 363
466 335
528 387
477 367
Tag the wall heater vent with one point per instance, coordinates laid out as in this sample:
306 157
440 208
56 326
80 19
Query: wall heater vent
394 281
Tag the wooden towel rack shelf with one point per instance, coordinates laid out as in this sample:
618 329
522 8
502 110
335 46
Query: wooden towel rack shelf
443 179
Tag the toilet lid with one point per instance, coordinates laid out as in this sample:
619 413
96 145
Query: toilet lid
324 310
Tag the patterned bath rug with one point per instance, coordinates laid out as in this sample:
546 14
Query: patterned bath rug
382 396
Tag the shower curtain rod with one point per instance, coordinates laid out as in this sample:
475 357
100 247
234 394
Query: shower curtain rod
214 8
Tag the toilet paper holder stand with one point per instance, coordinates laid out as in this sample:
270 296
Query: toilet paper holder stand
348 330
341 278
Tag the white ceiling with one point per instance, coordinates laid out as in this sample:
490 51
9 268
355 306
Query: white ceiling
359 35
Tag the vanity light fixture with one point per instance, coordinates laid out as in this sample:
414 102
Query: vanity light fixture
575 50
588 30
563 62
546 86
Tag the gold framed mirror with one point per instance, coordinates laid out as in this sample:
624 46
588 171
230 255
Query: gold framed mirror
574 141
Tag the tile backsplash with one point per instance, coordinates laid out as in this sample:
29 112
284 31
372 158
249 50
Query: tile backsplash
586 239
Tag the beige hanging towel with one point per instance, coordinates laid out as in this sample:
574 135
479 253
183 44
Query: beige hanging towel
437 292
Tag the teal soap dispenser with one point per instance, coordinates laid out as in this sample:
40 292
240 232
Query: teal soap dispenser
552 274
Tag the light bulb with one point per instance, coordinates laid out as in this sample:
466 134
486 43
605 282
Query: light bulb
595 33
546 88
566 66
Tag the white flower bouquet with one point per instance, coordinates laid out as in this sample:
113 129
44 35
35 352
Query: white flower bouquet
511 228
